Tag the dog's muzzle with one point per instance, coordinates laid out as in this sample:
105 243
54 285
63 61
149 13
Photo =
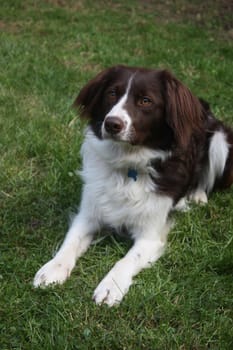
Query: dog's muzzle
113 125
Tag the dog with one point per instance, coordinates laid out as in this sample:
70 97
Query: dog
150 147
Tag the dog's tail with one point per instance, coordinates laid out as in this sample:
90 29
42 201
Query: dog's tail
227 178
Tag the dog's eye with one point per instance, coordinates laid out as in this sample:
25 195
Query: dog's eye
112 94
144 101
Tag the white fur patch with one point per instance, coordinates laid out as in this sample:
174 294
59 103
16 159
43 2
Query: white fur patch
119 111
218 153
111 197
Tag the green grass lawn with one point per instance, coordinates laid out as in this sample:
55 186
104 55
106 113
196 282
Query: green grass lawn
48 51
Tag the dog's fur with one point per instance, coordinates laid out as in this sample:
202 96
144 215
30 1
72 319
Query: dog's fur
150 146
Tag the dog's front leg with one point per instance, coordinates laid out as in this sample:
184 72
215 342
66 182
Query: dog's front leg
75 244
116 283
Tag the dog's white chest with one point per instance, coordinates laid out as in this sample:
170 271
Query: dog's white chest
118 185
118 198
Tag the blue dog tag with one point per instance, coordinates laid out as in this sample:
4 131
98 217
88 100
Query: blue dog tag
133 174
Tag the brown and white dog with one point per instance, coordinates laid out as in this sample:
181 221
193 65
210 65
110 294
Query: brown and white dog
150 146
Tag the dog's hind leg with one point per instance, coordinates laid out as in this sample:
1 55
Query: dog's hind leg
198 196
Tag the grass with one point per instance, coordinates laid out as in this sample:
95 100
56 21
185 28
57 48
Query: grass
48 51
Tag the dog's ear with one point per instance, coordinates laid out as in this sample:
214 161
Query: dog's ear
184 112
91 94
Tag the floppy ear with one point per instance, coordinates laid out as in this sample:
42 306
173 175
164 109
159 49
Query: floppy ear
184 112
90 95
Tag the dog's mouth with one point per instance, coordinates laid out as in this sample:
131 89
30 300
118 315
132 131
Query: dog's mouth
125 136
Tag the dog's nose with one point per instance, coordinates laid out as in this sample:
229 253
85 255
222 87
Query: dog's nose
113 125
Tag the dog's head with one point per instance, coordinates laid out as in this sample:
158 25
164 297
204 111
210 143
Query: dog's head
140 106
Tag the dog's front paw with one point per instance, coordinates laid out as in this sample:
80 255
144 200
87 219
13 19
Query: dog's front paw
55 271
111 290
